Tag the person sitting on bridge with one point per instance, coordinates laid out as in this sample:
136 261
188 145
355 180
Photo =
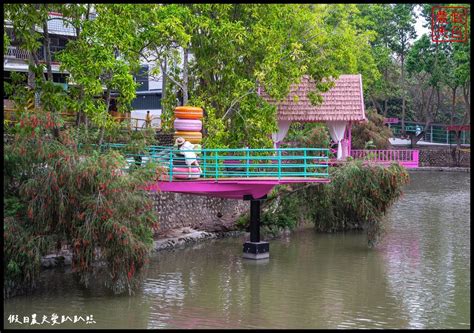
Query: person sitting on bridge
189 156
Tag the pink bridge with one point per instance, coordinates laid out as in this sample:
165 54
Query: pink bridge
239 173
229 188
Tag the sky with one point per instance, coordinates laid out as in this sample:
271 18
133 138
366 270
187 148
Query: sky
419 24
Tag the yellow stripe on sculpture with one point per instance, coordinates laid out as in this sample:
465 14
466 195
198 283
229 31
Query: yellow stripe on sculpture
193 137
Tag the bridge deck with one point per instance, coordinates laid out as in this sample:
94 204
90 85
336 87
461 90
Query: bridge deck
231 188
275 180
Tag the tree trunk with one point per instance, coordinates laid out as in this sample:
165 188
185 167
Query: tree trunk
453 105
80 114
164 82
415 138
466 94
385 102
376 105
47 49
31 63
31 74
102 129
185 75
454 154
403 94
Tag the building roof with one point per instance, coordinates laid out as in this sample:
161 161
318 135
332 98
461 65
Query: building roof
57 26
345 101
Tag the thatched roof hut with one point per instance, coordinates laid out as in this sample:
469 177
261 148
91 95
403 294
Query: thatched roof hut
342 106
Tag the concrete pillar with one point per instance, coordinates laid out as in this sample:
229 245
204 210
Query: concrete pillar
255 249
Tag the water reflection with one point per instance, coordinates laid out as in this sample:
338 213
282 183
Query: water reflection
419 277
427 251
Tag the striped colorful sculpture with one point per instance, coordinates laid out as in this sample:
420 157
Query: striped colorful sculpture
188 124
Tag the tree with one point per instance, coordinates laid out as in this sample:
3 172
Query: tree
456 74
424 65
241 48
404 25
373 131
379 18
99 59
56 193
161 34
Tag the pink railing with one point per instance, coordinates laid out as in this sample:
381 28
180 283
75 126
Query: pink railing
409 158
390 120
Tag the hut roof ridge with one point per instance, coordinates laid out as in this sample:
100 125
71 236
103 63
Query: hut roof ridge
344 101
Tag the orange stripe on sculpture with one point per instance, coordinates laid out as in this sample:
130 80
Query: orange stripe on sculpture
188 112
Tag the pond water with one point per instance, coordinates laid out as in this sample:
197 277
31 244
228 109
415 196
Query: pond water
417 277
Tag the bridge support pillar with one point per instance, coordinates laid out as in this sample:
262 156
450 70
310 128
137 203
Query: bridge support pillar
255 249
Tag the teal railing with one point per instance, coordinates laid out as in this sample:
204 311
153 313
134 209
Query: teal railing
235 163
434 133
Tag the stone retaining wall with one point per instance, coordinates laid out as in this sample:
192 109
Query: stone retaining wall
164 139
203 213
441 157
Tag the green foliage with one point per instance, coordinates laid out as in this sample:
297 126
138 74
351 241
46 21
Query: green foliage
403 24
361 196
357 198
248 126
423 59
283 211
169 103
216 136
22 253
24 18
309 135
373 133
379 19
56 193
6 42
104 54
238 48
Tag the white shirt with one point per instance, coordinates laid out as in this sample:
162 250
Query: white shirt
190 157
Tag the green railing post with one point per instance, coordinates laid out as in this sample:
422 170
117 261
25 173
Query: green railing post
305 170
279 163
217 164
204 158
247 163
327 164
171 166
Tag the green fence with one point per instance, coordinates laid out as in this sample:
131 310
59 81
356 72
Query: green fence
233 163
434 133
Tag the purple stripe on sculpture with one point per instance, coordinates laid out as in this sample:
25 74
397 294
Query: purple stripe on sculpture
187 124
